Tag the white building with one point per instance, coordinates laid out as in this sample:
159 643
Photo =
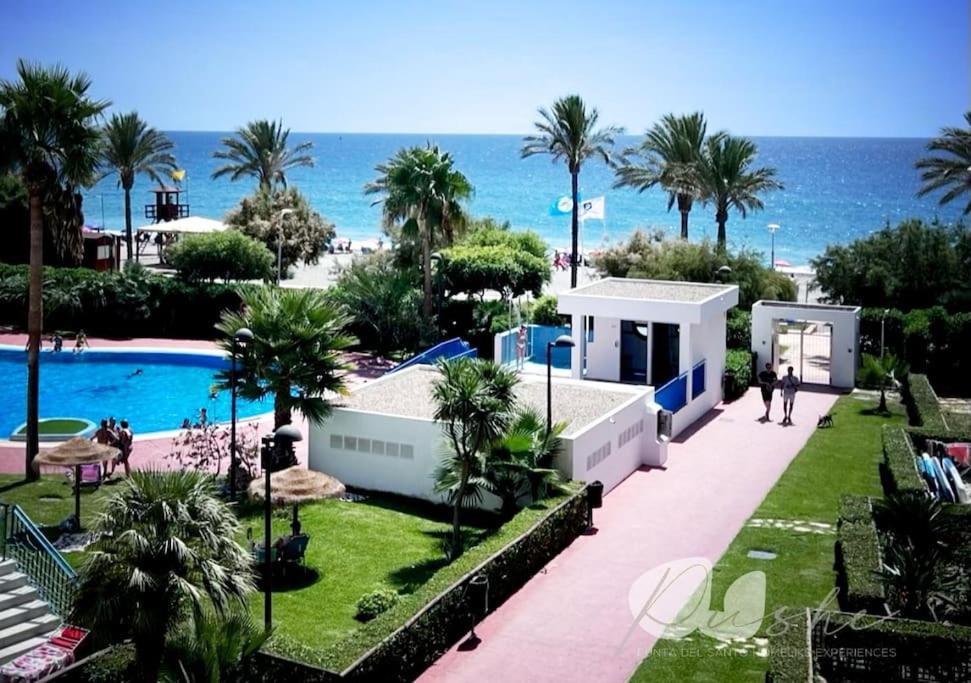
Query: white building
383 436
662 334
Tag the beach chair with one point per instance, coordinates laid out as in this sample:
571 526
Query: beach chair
293 551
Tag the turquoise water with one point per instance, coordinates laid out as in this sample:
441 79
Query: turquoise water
97 385
837 189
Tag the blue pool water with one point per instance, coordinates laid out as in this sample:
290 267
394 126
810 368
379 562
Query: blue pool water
96 385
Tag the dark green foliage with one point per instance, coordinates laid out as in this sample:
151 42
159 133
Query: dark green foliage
738 373
905 266
486 232
375 603
383 302
790 658
473 270
899 463
543 312
228 255
115 664
739 329
130 303
858 561
212 647
651 256
923 408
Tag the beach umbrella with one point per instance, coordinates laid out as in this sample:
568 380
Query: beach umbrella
782 263
74 453
298 485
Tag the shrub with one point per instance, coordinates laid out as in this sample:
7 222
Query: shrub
923 408
858 559
790 655
475 269
227 255
375 603
739 329
487 233
899 463
738 373
306 234
905 266
543 312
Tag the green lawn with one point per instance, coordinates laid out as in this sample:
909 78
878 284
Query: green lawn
844 459
66 425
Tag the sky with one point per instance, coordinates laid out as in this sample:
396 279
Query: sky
881 68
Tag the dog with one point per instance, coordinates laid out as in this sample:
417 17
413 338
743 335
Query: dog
824 421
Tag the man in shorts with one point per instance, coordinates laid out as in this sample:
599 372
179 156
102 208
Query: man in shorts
767 382
790 385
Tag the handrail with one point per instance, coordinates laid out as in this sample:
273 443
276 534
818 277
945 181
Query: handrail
51 575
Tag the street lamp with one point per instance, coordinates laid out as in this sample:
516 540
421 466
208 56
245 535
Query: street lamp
280 439
883 324
279 244
437 257
563 341
241 340
723 273
772 228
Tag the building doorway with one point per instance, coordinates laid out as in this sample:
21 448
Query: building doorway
633 351
806 345
665 353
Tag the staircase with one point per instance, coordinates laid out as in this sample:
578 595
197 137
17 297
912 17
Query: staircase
25 619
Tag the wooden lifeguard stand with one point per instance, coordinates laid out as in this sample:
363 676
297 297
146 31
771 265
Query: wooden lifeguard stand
167 206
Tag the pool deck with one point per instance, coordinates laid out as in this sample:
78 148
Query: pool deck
150 451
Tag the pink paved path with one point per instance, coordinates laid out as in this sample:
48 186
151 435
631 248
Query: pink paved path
570 621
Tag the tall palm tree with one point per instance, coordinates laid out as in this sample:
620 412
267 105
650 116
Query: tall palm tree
474 403
951 170
49 134
260 151
568 132
669 156
295 354
166 550
883 372
729 182
131 147
423 192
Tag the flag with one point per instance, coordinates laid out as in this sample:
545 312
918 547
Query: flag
178 174
593 209
562 206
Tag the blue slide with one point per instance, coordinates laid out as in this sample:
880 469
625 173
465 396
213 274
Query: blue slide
452 348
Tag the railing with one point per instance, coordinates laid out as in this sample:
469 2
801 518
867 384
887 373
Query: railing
673 396
698 380
166 212
537 338
44 567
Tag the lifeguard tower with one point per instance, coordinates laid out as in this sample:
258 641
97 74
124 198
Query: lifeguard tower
167 206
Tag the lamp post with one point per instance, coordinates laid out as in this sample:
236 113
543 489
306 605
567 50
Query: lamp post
279 244
883 324
723 273
241 339
440 261
281 438
563 341
772 228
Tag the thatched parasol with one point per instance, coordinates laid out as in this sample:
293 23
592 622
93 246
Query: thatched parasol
298 485
74 453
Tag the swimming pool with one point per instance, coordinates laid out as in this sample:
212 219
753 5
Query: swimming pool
99 384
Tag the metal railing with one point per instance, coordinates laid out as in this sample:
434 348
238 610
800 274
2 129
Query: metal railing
166 212
698 379
673 396
45 568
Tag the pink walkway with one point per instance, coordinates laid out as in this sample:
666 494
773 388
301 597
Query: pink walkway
569 623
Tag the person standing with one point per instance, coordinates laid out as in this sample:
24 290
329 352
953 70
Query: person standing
790 385
767 382
521 347
125 438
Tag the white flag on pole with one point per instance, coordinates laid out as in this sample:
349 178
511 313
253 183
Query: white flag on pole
592 209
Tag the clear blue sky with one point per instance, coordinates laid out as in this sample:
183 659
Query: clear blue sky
756 67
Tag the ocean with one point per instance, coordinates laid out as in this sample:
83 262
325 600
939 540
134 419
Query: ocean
836 189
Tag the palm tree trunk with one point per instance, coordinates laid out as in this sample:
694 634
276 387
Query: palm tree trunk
128 220
684 225
281 407
883 399
456 548
721 217
426 267
35 323
575 235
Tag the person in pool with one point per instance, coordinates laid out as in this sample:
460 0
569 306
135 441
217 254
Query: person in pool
81 342
137 372
58 342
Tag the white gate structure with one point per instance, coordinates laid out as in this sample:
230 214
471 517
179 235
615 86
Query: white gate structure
820 341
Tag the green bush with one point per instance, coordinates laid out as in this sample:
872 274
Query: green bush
923 408
375 603
475 269
738 373
899 461
228 255
543 312
739 329
790 655
487 233
858 561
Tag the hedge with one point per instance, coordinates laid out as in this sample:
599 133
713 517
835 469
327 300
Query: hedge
790 652
923 408
130 303
738 373
858 558
899 461
402 642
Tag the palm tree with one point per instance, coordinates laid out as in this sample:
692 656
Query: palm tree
474 402
952 170
422 190
521 461
260 151
882 371
568 132
131 147
669 156
295 354
211 647
167 550
727 180
49 134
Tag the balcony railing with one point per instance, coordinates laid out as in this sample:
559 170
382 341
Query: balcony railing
698 380
166 212
673 396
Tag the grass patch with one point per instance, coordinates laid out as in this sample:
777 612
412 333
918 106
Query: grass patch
834 462
58 426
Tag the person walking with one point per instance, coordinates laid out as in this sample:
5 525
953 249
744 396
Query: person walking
767 381
790 385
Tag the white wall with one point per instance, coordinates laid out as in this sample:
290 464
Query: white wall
845 341
708 342
603 353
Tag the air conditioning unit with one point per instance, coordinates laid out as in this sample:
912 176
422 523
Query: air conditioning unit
665 423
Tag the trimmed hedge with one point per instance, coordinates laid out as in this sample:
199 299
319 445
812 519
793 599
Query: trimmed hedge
923 408
401 643
899 461
738 373
858 559
790 652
